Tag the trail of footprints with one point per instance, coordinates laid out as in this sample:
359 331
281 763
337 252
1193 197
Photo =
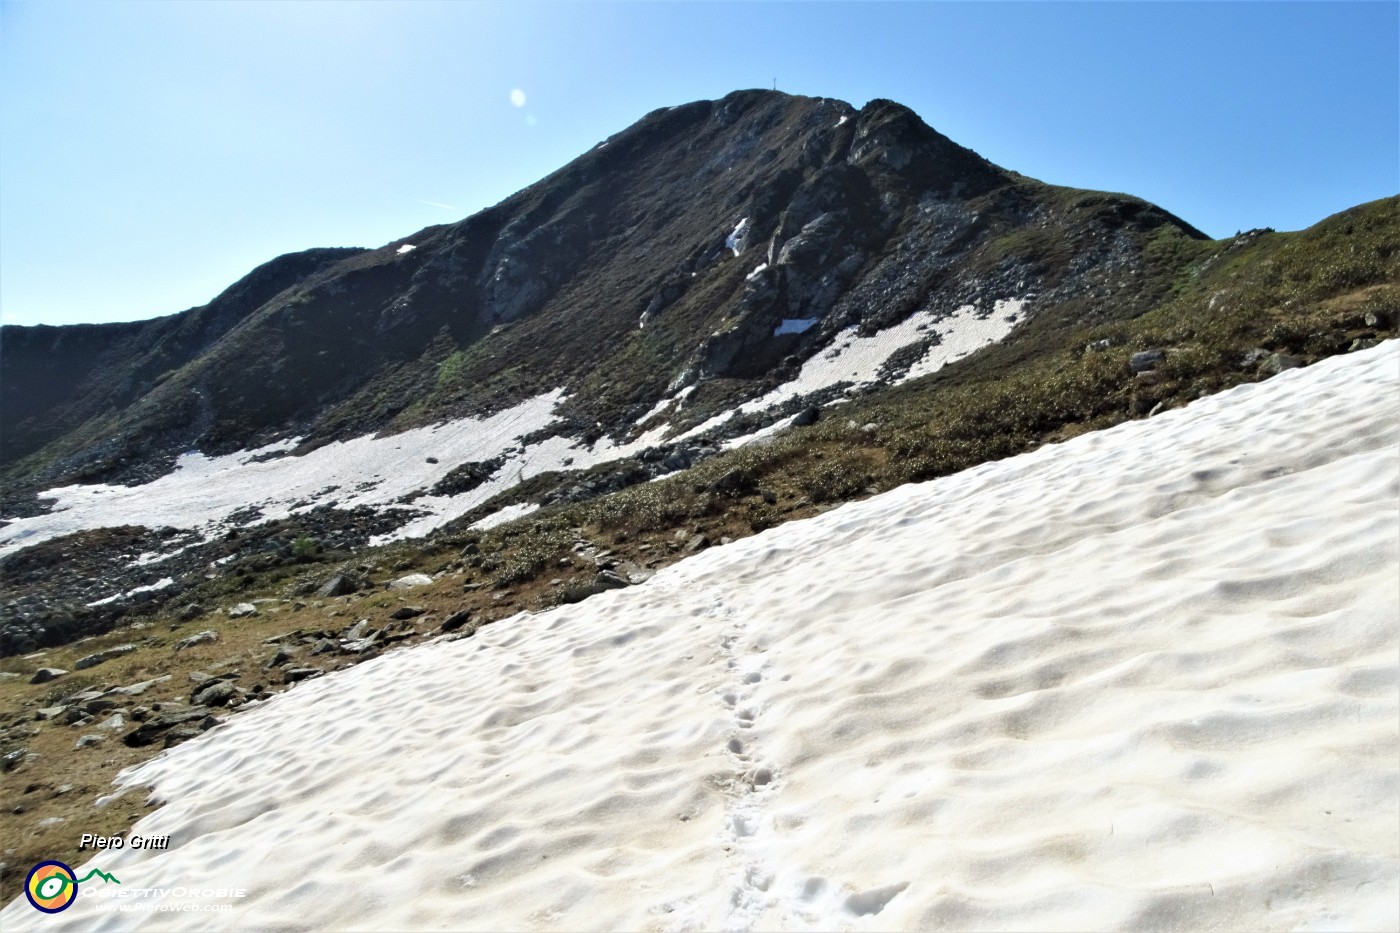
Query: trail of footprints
754 884
753 783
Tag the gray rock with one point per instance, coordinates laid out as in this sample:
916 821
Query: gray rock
1146 359
407 612
1363 343
207 637
1253 357
216 694
607 580
49 712
699 542
242 610
135 690
89 740
455 621
411 580
45 674
283 655
13 759
191 612
171 716
1276 363
806 416
102 657
338 585
112 722
295 674
1377 319
356 631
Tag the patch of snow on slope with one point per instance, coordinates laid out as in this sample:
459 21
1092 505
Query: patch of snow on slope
656 409
1145 678
963 333
798 325
508 514
760 434
406 248
736 239
151 588
374 471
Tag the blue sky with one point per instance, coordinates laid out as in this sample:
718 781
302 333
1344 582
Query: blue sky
153 153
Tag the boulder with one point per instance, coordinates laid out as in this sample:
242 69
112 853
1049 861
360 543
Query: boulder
1146 359
242 610
455 621
607 580
295 674
199 638
217 693
411 580
407 612
171 716
338 585
806 416
1276 363
89 740
102 657
45 674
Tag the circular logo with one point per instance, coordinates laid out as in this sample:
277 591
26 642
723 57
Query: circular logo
51 886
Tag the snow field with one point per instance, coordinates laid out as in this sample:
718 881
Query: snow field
1146 678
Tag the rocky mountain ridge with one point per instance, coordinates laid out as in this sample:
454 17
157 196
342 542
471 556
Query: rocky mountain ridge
668 257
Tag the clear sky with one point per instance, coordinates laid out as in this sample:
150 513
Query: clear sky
153 153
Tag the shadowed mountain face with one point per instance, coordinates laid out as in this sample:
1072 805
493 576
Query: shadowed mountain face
716 245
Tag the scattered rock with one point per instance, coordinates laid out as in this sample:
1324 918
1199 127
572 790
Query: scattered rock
12 759
242 610
49 712
207 637
292 675
283 655
1253 357
45 674
357 631
191 612
102 657
1377 319
455 621
1363 343
89 740
407 612
806 416
135 690
196 717
1146 359
216 694
410 581
608 580
112 722
1276 363
697 543
338 585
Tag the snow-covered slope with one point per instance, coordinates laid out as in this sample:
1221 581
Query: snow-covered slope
203 493
1143 679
